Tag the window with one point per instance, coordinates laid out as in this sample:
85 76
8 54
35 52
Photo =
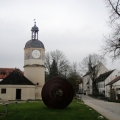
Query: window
100 85
118 89
37 83
3 73
3 91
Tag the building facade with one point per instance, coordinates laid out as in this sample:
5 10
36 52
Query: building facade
16 87
87 82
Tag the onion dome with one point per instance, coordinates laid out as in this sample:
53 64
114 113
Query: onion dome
34 42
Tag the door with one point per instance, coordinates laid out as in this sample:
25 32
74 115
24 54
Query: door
18 94
118 96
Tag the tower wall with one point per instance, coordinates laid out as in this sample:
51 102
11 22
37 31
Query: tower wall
35 74
29 60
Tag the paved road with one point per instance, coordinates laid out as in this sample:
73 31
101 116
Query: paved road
108 109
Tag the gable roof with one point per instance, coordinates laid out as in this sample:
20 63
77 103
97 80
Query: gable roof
16 78
4 72
93 69
113 81
103 76
86 74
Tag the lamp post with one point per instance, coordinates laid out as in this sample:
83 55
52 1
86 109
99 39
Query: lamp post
65 72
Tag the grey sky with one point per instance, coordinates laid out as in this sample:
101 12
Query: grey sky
75 27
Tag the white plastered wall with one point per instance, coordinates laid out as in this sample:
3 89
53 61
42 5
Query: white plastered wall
27 92
36 74
109 79
115 86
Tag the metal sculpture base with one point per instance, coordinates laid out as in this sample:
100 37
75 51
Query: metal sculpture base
57 93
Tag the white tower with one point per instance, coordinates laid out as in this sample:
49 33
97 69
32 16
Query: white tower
34 55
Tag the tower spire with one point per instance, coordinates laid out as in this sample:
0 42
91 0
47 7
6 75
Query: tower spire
34 22
89 64
34 30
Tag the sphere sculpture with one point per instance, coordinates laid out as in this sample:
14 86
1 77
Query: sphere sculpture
57 93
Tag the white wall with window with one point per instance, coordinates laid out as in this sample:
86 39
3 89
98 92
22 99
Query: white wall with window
112 76
118 90
13 92
101 69
101 87
86 84
116 87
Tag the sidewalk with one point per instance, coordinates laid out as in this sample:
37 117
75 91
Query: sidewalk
108 109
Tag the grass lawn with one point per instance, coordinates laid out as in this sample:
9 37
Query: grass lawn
77 110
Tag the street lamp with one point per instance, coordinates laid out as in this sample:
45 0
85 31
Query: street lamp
65 73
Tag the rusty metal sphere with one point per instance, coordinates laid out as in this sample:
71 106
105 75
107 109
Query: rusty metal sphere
57 93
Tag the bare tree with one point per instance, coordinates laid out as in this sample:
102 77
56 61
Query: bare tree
74 76
91 65
90 61
60 60
112 43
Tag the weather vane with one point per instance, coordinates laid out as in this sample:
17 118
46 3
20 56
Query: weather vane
34 22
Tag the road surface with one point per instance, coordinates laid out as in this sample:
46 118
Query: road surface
110 110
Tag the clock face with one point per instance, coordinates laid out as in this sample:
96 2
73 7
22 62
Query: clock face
36 53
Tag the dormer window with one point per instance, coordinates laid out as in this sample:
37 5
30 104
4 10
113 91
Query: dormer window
3 73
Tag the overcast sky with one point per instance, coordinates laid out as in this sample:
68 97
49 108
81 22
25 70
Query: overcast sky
75 27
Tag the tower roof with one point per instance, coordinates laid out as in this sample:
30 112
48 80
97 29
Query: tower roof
34 44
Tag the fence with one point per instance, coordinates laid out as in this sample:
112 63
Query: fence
6 106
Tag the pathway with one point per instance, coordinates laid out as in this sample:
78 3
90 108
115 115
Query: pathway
110 110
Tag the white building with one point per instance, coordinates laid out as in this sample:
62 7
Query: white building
114 85
16 87
87 82
103 79
109 79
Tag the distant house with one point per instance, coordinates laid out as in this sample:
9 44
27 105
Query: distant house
112 76
4 72
101 82
81 88
103 79
16 87
115 87
87 82
87 86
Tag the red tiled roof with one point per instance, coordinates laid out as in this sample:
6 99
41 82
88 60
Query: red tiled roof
4 72
113 81
16 78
